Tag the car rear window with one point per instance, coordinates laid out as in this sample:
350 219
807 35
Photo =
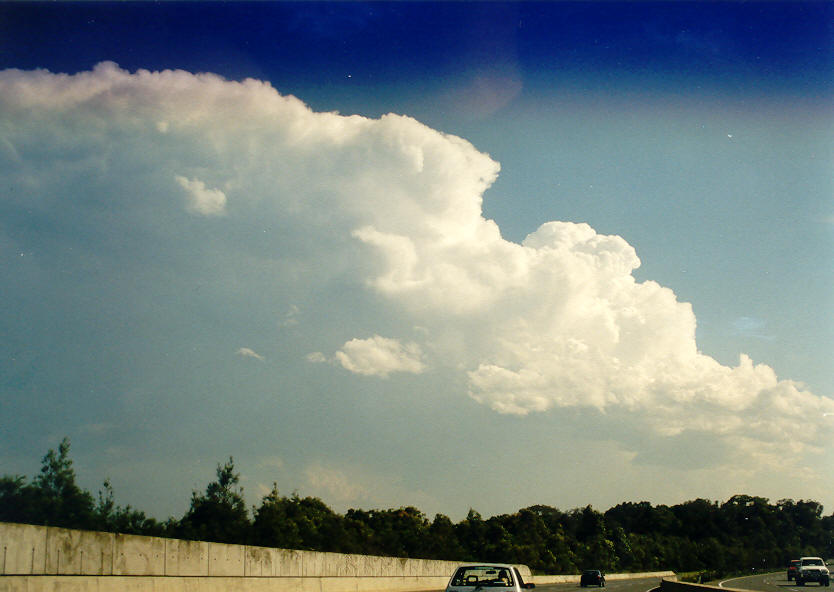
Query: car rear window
483 576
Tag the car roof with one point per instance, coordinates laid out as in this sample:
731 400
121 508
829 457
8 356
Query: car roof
507 565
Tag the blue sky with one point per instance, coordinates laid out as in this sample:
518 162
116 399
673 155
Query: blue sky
591 239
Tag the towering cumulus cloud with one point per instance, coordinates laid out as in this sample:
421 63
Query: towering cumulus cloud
557 321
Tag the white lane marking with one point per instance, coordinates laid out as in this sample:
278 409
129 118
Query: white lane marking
721 584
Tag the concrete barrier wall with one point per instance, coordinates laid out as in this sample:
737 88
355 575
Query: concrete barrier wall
42 550
218 584
671 585
23 547
186 558
50 559
574 579
138 555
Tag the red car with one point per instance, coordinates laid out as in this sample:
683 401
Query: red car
792 569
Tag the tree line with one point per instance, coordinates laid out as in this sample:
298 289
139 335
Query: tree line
703 536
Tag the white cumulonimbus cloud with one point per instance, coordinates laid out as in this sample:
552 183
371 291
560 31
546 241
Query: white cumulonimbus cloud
558 321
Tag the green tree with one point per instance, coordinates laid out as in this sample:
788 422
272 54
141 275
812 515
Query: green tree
303 523
220 514
443 540
402 532
697 519
472 533
315 521
111 517
58 501
16 498
271 526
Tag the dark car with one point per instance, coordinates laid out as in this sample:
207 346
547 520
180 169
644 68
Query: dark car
792 569
592 577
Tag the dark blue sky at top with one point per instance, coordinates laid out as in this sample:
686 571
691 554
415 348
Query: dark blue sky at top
368 53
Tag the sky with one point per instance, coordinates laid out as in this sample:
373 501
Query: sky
449 255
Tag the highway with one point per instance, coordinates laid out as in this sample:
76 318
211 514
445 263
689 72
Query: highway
610 586
769 582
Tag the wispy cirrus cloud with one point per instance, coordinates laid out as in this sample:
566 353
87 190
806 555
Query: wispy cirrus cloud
249 353
334 483
751 327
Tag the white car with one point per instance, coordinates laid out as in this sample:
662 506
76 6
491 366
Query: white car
812 569
494 576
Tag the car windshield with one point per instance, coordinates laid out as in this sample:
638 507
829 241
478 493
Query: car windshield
483 576
812 562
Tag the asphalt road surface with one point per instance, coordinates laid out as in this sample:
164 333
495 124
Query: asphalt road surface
610 586
769 582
